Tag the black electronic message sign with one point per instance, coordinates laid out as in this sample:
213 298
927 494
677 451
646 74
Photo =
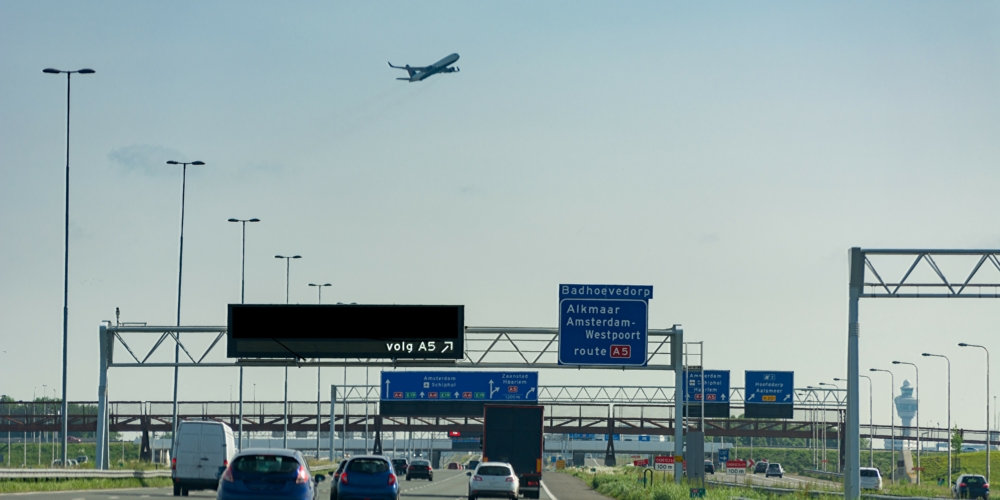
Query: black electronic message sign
346 331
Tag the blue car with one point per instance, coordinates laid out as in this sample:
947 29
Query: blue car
368 477
257 474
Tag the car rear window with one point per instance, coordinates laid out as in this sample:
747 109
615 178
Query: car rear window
265 464
421 462
493 470
975 480
368 465
869 473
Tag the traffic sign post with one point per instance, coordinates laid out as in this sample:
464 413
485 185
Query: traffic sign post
736 467
602 325
664 463
769 394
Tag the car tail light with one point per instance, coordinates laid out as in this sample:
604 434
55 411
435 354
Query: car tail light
392 479
987 485
509 480
228 475
173 464
962 485
343 478
477 478
532 483
302 477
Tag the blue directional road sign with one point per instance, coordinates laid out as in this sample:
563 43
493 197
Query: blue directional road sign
603 324
769 387
459 386
723 455
716 386
643 438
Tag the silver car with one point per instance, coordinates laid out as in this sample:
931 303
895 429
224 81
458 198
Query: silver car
493 479
774 470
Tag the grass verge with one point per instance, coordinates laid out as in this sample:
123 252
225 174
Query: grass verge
27 485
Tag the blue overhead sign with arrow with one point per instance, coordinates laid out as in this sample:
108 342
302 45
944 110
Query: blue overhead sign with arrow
769 394
716 384
459 386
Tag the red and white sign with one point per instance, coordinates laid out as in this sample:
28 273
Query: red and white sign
736 466
621 351
663 463
641 463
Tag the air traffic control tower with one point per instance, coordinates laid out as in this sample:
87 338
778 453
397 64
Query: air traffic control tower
906 407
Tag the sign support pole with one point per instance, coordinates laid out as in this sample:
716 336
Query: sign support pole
333 404
852 469
677 355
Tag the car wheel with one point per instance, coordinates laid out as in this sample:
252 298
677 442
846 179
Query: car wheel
430 478
177 490
407 477
184 492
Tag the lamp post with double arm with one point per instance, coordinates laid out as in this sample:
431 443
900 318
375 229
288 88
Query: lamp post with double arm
989 435
243 288
927 354
892 418
65 339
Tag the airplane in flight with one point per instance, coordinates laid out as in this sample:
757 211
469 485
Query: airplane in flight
418 73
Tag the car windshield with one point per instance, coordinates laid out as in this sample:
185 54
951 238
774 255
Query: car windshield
975 480
493 470
265 464
368 465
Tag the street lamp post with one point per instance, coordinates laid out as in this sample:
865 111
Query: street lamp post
839 430
288 260
916 391
319 288
927 354
871 421
243 287
989 435
892 418
319 408
65 339
180 273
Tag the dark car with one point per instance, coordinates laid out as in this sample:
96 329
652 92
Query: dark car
420 468
971 486
472 464
399 465
261 473
335 480
709 467
760 467
368 477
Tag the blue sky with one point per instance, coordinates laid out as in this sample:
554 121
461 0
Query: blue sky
728 154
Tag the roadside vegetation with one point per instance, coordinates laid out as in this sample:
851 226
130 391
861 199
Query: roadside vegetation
26 485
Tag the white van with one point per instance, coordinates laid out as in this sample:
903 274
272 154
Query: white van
201 453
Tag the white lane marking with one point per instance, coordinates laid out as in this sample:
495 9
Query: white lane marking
547 492
113 498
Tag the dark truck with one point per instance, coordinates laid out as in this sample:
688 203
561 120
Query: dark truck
513 434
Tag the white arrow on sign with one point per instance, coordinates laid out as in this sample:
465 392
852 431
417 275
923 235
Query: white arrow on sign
387 387
751 396
421 393
787 397
529 393
723 397
492 390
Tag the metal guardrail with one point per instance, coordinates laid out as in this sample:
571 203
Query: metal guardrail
80 474
100 474
812 493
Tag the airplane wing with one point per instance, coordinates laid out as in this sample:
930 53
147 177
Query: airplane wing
410 68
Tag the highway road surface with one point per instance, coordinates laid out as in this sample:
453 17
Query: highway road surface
447 485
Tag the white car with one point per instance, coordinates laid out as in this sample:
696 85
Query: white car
871 479
493 479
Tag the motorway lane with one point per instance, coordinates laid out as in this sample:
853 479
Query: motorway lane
447 485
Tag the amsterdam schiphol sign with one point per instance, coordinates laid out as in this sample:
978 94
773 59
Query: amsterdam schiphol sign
603 324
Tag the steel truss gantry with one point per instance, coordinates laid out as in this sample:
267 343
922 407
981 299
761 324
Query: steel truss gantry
969 284
485 347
